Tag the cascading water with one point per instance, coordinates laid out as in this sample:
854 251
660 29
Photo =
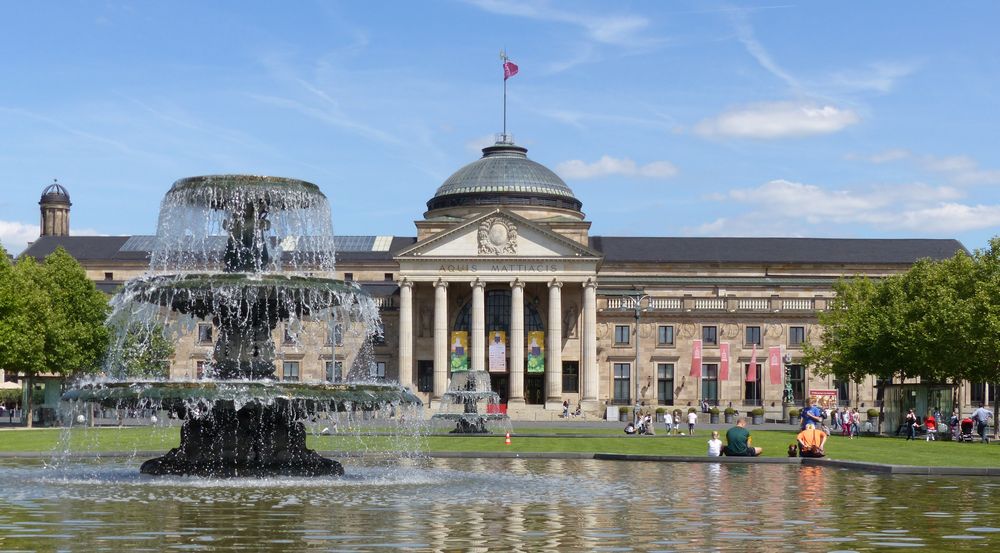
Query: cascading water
244 253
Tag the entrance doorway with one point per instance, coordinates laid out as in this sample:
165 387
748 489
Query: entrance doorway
534 389
499 383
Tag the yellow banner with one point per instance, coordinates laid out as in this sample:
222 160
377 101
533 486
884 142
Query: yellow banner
459 351
536 352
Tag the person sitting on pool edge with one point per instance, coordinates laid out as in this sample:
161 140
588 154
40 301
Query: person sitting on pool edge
811 442
738 441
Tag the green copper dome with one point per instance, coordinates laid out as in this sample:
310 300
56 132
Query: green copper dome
504 176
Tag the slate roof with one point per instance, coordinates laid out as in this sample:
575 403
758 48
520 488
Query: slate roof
772 250
616 249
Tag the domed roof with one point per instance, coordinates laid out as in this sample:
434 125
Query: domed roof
54 193
504 175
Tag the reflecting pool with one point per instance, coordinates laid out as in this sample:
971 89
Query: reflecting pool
496 505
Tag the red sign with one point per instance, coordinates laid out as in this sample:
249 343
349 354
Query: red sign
696 358
774 364
752 372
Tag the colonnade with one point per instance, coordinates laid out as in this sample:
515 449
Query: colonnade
590 381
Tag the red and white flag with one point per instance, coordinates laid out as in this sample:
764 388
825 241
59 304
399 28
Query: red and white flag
509 69
696 358
774 364
752 371
724 361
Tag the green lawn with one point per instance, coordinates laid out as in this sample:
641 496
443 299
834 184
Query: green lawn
774 442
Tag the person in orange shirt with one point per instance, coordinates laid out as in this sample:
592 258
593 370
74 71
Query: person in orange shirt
811 442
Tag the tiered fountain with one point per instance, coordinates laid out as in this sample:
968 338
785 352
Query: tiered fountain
244 253
471 403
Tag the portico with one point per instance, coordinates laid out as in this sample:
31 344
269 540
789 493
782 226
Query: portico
501 272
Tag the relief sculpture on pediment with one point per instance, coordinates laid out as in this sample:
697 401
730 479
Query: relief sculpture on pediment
497 236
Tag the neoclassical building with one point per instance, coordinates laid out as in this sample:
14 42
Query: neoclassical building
503 265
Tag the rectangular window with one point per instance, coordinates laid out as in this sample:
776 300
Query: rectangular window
333 371
623 335
378 371
709 335
797 377
199 369
978 395
796 335
287 337
622 372
290 371
665 335
425 375
379 337
710 382
387 277
348 276
571 377
665 383
753 336
751 390
843 392
109 276
336 336
204 333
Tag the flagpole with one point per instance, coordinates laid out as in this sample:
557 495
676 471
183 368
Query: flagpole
503 55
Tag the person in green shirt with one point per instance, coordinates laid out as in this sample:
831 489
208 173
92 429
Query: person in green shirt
738 441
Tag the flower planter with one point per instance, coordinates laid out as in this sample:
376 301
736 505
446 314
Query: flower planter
758 419
622 417
728 418
713 418
794 420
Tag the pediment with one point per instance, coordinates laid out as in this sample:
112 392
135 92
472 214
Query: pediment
498 234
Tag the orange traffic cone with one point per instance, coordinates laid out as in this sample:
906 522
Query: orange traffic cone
506 439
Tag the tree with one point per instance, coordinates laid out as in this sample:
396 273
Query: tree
24 312
143 352
51 319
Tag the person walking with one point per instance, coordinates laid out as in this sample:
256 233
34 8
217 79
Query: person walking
692 419
982 418
668 421
930 424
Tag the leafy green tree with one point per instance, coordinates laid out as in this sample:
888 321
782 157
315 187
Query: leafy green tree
51 319
143 352
24 314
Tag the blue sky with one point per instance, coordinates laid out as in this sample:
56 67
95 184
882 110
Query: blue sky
666 118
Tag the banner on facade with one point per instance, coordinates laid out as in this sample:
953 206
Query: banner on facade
536 352
774 364
696 359
459 351
752 371
827 399
724 361
498 351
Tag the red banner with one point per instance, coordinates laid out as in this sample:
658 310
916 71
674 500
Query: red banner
696 358
774 364
724 361
752 372
509 69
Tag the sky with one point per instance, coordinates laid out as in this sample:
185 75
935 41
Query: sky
700 118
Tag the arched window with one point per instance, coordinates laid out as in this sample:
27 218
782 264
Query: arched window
498 314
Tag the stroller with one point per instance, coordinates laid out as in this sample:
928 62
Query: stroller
965 430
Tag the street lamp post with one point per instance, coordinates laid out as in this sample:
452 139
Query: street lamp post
637 306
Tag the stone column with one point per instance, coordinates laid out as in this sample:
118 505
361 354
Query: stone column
553 365
440 339
406 333
588 345
516 392
477 329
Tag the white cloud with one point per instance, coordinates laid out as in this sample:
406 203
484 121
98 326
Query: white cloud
962 169
778 120
619 30
782 207
878 77
745 34
608 166
15 235
885 156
